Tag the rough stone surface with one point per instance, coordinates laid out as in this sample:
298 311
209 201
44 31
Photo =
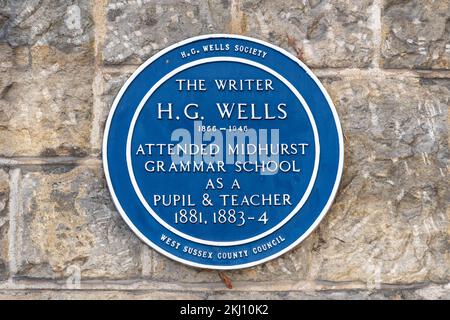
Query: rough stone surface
63 24
46 108
108 85
63 62
433 292
4 223
138 29
390 220
427 293
100 294
69 225
416 34
320 33
46 77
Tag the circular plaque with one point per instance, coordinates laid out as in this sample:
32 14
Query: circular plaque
223 151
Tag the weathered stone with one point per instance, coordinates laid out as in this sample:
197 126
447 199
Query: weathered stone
66 25
46 109
137 30
46 77
4 223
427 292
5 65
113 82
107 85
69 227
430 292
22 57
388 230
434 292
390 220
289 295
320 33
416 34
99 295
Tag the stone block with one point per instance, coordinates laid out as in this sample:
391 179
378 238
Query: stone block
389 222
136 30
4 223
65 25
69 227
320 33
416 34
46 109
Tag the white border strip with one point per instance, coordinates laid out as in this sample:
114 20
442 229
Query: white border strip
245 265
221 59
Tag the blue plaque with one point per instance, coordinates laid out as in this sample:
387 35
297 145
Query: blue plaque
223 151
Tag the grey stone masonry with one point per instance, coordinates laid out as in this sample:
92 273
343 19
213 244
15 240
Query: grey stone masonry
386 66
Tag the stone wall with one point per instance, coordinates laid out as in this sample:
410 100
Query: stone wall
386 65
